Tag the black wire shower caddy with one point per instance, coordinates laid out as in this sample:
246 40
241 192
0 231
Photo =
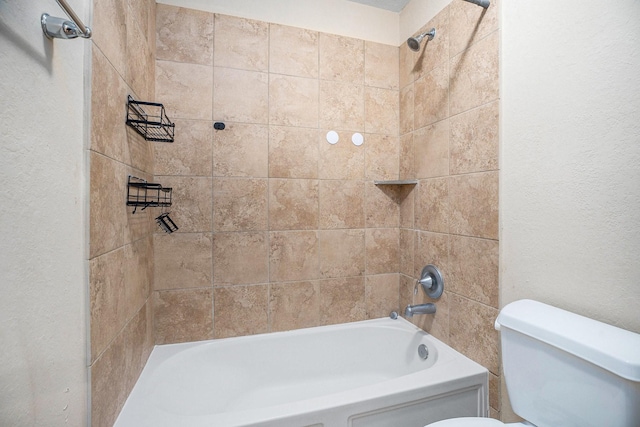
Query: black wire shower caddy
141 193
151 122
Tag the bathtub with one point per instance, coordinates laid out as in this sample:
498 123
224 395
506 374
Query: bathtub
358 374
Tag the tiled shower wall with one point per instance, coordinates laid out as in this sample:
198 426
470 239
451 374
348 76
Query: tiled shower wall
449 106
278 229
121 243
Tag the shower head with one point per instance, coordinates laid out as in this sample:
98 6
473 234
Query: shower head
414 42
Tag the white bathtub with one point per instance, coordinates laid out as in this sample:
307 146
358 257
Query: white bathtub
357 374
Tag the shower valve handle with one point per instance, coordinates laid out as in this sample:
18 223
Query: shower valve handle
426 282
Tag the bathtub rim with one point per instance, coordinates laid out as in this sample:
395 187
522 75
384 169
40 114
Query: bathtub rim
440 380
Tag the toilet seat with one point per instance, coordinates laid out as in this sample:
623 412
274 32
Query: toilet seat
476 422
468 422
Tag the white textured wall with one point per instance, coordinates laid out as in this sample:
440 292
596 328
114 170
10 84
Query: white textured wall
43 380
340 17
570 160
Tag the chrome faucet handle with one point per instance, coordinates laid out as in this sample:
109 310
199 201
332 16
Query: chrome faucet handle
431 281
426 282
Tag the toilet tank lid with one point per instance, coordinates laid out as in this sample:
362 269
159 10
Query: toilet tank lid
614 349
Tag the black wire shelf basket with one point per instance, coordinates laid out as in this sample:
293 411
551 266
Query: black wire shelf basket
149 120
141 193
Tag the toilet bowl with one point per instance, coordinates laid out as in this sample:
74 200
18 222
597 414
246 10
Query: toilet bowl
563 369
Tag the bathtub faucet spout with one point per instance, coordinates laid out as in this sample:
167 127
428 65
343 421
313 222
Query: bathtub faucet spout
428 308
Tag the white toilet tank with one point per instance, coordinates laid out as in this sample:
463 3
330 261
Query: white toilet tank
566 370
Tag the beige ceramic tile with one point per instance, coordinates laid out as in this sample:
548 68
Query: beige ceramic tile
474 140
138 345
474 269
184 89
342 253
293 51
474 75
381 206
382 250
433 52
108 394
343 160
139 152
108 104
474 204
470 23
293 204
432 97
294 305
182 260
293 101
406 251
341 204
293 255
107 299
240 96
407 65
341 106
240 258
432 150
184 35
406 199
241 43
494 392
381 65
107 210
472 332
138 274
241 310
407 96
342 300
431 248
140 61
405 293
191 202
432 205
341 59
183 315
190 153
407 164
108 31
241 150
381 157
141 13
381 295
382 111
239 204
293 152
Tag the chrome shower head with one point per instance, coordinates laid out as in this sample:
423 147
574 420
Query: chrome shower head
414 42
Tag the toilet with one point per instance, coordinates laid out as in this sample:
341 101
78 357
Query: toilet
565 370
